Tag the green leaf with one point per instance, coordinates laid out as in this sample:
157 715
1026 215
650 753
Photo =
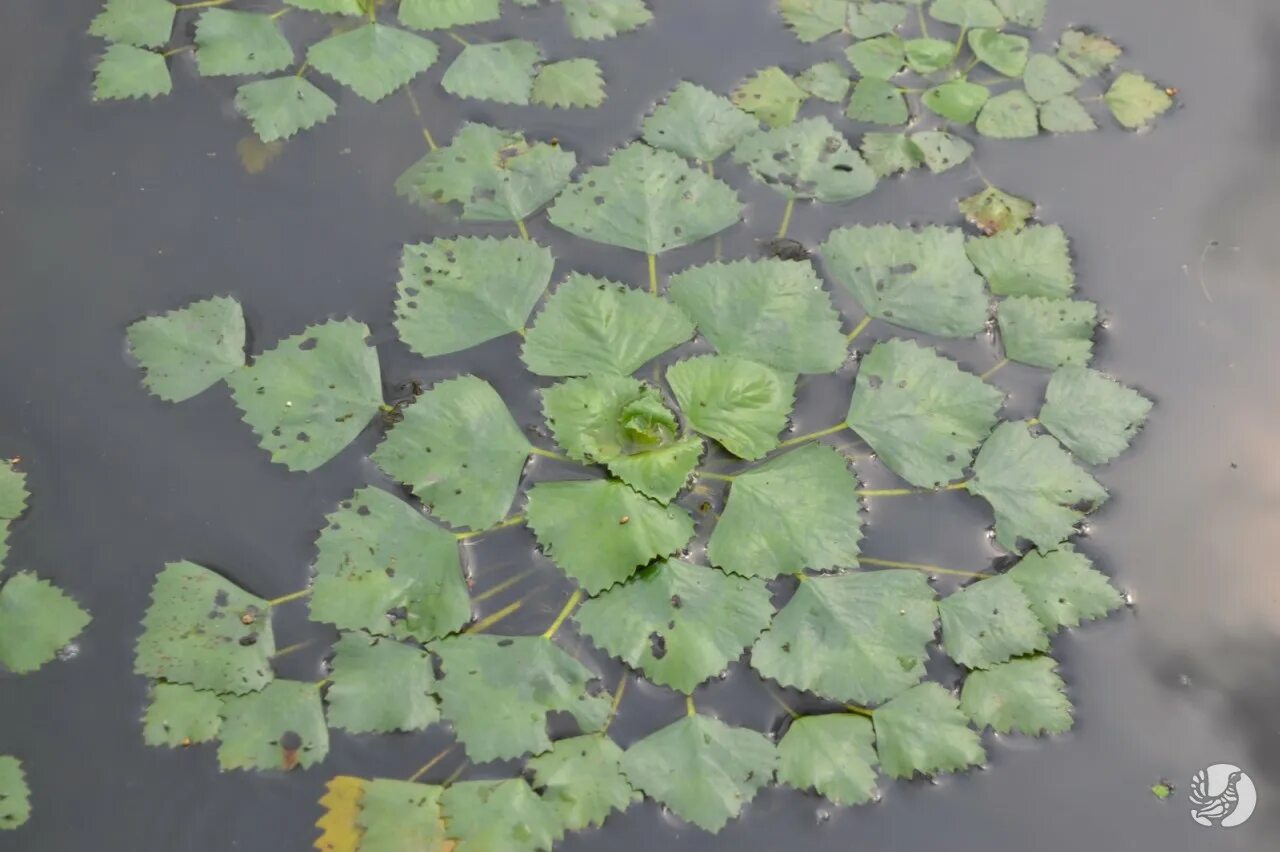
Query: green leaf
771 311
37 620
873 19
444 14
498 690
460 451
1024 13
13 492
485 816
826 81
808 159
380 686
888 153
1093 416
662 472
1161 790
927 55
201 629
230 42
921 280
180 715
988 622
569 83
396 816
811 20
993 211
497 175
967 13
281 107
1087 54
186 351
922 730
1047 332
940 150
702 769
1065 114
678 623
141 23
833 754
581 778
1035 261
15 796
741 404
922 415
1045 78
878 102
1023 695
1135 101
1011 115
600 531
281 727
311 395
601 19
1003 53
1036 491
851 637
646 200
879 58
696 123
771 96
373 60
592 325
957 100
130 72
458 293
1064 588
500 71
331 7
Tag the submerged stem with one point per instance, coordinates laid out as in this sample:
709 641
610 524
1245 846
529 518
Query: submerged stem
292 596
860 710
202 4
858 329
524 232
426 767
175 51
617 699
800 439
489 620
459 39
786 218
548 454
689 709
509 522
417 112
994 369
918 566
903 492
501 587
719 477
569 605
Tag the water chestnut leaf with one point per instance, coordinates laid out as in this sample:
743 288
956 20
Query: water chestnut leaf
581 779
380 686
483 816
1024 13
141 23
1047 332
281 107
501 71
181 715
771 96
13 491
444 14
1011 115
826 81
37 620
186 351
1135 101
811 20
867 19
968 14
1065 114
230 42
1045 78
126 72
833 754
993 211
1093 416
808 159
923 730
373 60
1087 54
988 622
395 816
697 123
353 8
601 19
15 795
889 153
338 824
1035 261
878 102
956 100
1024 695
927 55
568 84
280 728
741 404
1064 588
940 150
1001 52
880 58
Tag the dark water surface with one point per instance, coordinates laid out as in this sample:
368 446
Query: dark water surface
109 212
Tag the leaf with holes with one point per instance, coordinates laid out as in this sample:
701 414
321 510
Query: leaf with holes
1087 54
500 71
396 816
180 715
967 13
281 107
380 686
811 20
15 796
741 404
808 159
833 754
1011 115
1092 415
373 60
1135 101
281 727
445 14
878 102
568 84
880 58
988 622
1001 52
230 42
187 351
37 620
1047 332
771 96
827 81
922 730
1035 261
482 816
940 150
697 123
581 778
1045 78
600 19
1024 695
141 23
1065 114
127 72
1064 588
994 211
888 153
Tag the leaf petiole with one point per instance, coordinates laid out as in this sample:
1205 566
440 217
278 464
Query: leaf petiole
689 709
786 217
861 711
489 620
509 522
569 605
524 232
994 369
417 112
918 566
617 700
800 439
292 596
426 767
653 275
858 329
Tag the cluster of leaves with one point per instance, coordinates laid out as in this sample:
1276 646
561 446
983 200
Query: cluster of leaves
371 58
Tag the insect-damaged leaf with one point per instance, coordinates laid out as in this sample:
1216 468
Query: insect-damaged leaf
311 395
833 754
230 42
180 715
15 796
126 72
771 96
999 51
444 14
887 153
497 175
279 728
957 100
1024 695
988 622
918 279
851 637
36 621
460 451
581 779
1035 489
373 60
1035 261
141 23
1135 101
1087 54
458 293
1093 416
993 211
379 686
808 159
592 326
811 20
1064 588
797 511
397 816
281 107
702 769
771 311
940 150
1045 78
878 102
678 623
1047 332
696 123
500 71
600 531
201 629
741 404
498 690
645 200
485 816
922 730
1011 115
569 83
601 19
186 351
967 13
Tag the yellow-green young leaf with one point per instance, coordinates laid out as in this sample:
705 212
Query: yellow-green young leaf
1011 115
373 60
36 621
826 81
741 404
967 13
702 769
180 715
1047 332
988 622
380 686
875 18
281 107
771 96
940 150
999 51
1024 695
142 23
186 351
201 629
1087 54
1035 261
1037 492
601 19
498 690
1135 101
771 311
811 20
880 58
957 100
599 532
331 7
443 14
310 396
851 637
458 293
581 779
927 55
15 796
888 153
660 473
808 159
595 326
646 200
13 501
697 123
485 816
569 83
279 728
399 816
1064 588
1045 78
500 71
1024 13
232 42
923 730
834 755
678 623
994 211
460 451
127 72
1093 416
878 102
1065 114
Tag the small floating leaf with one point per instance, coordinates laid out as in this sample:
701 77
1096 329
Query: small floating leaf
485 816
771 96
36 621
697 123
279 728
601 19
1035 261
827 81
373 60
379 686
1046 78
880 58
888 153
988 622
180 715
741 404
15 796
1002 52
940 150
957 100
1065 114
927 55
1135 101
569 83
808 159
1011 115
281 107
1024 13
875 18
833 754
444 14
922 730
1064 588
967 13
993 211
500 71
811 20
230 42
1093 416
396 816
1024 695
1047 332
581 778
126 72
1087 54
878 102
187 351
141 23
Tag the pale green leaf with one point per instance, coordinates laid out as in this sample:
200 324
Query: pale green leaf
1047 332
940 150
1024 695
487 816
811 20
660 473
1065 114
833 754
1002 52
697 123
399 816
569 83
1035 261
923 730
281 727
281 107
826 81
1045 78
956 100
888 153
1064 588
186 351
500 71
878 102
1011 115
741 404
880 58
1135 101
141 23
352 8
373 60
180 715
13 491
927 55
126 72
1093 416
444 14
231 42
988 622
967 13
808 159
994 211
37 620
771 96
867 19
380 686
1024 13
1087 54
15 796
581 779
601 19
